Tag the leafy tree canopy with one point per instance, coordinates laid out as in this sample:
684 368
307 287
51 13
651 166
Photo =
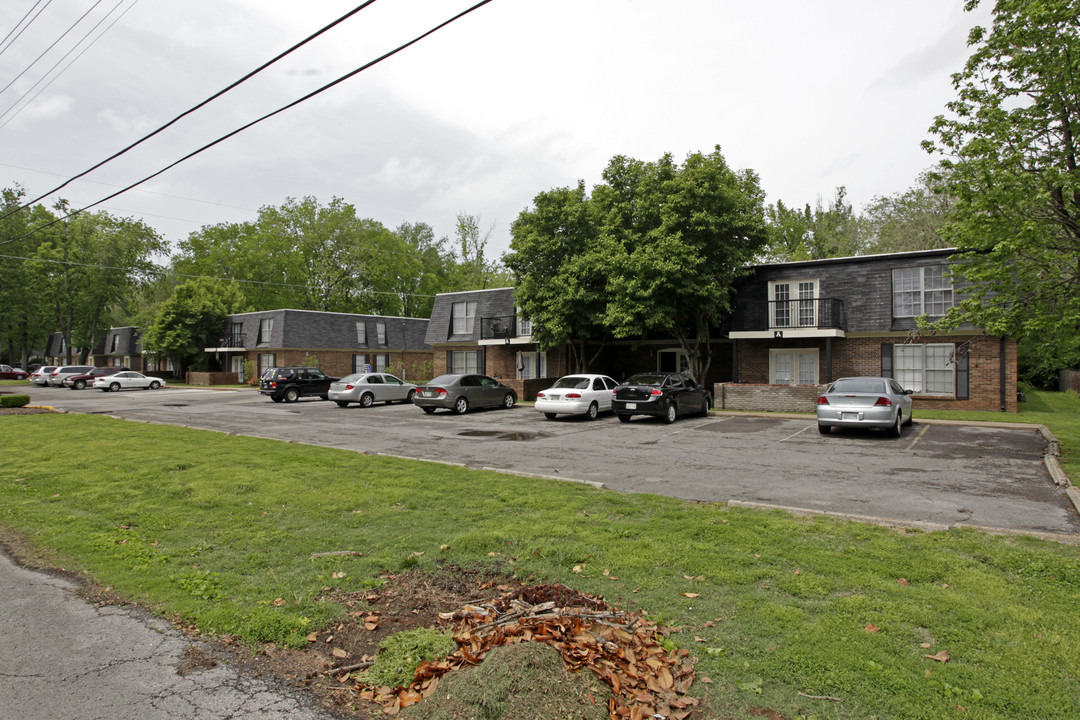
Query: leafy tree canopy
1009 147
656 247
192 319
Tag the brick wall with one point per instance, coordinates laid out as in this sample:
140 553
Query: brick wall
766 398
853 356
417 366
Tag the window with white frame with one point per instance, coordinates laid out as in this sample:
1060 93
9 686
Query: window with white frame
266 361
531 365
115 343
928 369
464 313
672 360
921 291
524 326
382 360
266 326
380 332
793 366
793 303
361 332
359 363
464 361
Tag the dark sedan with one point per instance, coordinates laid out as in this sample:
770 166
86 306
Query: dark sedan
664 394
461 392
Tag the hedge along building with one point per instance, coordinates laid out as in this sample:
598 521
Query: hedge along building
799 325
338 343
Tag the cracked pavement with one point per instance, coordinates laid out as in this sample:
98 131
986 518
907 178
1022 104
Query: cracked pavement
66 658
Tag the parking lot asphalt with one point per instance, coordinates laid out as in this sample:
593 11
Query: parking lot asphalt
934 476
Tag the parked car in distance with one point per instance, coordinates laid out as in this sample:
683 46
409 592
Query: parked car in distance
127 380
78 382
663 394
581 394
12 373
460 392
40 376
292 383
56 377
871 402
368 388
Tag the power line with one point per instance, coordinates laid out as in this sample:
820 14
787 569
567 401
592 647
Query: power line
43 52
187 112
166 271
3 50
242 128
71 50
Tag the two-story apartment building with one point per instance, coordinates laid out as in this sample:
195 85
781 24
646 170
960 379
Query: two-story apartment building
483 331
341 343
804 324
119 347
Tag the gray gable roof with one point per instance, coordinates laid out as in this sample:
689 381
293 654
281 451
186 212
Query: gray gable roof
328 330
489 303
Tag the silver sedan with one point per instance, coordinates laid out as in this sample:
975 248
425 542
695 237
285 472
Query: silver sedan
368 388
872 402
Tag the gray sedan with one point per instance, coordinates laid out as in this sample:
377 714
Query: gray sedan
872 402
368 388
461 392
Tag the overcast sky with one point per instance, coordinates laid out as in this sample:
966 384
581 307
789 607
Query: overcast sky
515 98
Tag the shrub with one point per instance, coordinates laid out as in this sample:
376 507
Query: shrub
13 401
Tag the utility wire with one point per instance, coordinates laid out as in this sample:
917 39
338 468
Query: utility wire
166 271
242 128
43 52
62 59
3 50
187 112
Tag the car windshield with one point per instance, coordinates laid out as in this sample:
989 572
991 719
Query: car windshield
572 382
444 380
650 379
852 385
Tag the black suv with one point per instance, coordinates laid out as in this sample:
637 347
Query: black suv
292 383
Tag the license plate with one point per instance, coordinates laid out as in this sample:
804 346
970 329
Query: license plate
631 406
849 416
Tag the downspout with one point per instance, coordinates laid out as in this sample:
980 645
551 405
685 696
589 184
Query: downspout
735 361
1002 378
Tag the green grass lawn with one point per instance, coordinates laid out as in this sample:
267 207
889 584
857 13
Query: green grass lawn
220 531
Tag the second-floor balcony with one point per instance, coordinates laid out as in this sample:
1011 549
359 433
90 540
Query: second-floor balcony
758 316
232 340
505 328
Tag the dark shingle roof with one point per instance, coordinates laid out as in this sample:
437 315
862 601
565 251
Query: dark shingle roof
489 303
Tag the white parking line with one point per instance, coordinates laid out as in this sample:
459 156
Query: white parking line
808 427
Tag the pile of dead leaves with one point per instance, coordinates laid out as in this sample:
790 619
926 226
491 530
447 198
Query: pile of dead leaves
624 650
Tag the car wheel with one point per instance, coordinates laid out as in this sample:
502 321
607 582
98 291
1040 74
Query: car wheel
910 417
461 405
428 410
154 385
410 396
824 429
671 413
898 426
115 387
593 411
705 407
342 403
622 418
276 398
78 385
292 395
508 401
366 399
550 416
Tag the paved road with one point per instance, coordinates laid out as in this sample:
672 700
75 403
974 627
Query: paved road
936 474
65 658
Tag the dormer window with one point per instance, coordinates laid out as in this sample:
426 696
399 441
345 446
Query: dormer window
464 314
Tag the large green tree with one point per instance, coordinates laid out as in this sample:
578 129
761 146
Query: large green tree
656 248
560 268
191 320
29 312
909 220
824 232
1009 147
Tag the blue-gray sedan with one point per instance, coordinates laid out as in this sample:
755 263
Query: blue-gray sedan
873 402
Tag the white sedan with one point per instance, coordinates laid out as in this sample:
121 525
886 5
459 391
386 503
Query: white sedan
127 380
582 394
